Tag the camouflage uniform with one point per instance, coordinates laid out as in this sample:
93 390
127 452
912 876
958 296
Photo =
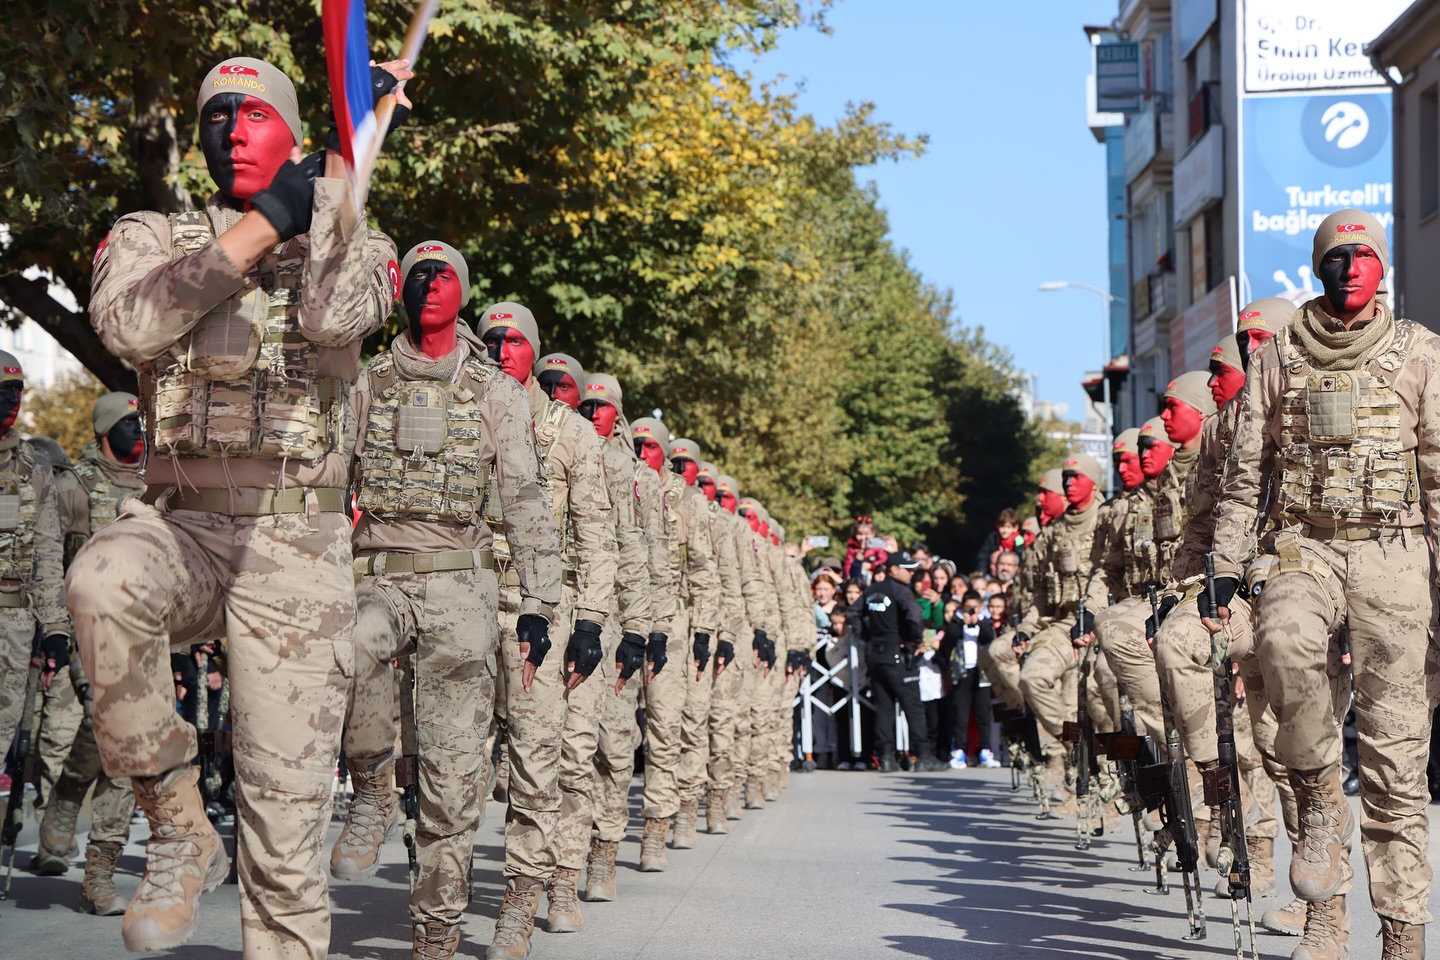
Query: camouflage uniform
724 700
241 533
1356 453
1000 660
429 591
535 721
764 681
90 494
692 566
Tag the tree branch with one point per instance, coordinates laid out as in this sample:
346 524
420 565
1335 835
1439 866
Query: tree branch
70 327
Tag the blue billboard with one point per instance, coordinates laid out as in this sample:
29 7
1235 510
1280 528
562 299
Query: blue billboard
1305 157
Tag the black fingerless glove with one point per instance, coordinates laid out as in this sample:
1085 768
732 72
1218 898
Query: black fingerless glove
1225 590
533 629
288 203
701 650
724 653
584 649
382 81
1020 639
794 660
630 655
1085 624
56 647
655 651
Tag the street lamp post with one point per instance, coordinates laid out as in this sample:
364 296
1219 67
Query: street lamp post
1106 299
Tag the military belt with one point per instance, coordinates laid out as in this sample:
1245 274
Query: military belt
510 577
380 564
249 501
1351 533
17 599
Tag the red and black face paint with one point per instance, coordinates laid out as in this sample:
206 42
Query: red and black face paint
245 142
602 414
560 385
127 439
431 296
1351 274
10 393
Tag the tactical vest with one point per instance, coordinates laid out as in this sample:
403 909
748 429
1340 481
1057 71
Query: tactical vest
547 431
1142 555
1172 512
424 441
1065 562
1340 453
104 496
18 508
244 382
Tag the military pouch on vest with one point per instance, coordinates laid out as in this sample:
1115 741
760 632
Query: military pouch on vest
1390 481
420 422
1066 561
1165 526
1331 404
1144 527
226 341
9 511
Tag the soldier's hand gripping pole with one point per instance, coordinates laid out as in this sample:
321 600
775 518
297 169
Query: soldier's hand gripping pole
1081 734
407 771
1222 782
15 805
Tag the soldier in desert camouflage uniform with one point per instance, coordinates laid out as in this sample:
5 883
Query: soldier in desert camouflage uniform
244 320
437 420
1339 415
90 495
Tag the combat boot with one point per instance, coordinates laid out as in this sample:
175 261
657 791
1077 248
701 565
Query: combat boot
184 859
97 891
734 810
770 784
1327 931
1289 919
1209 841
56 847
1401 940
652 845
715 801
371 822
600 872
1321 863
517 920
434 941
754 793
1261 851
686 823
561 891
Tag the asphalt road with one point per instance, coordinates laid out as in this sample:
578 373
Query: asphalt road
845 865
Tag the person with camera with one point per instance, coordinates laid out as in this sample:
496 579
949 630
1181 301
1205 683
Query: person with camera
889 625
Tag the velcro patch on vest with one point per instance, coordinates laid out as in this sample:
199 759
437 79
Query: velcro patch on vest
1331 402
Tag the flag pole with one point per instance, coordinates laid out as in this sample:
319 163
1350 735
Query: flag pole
385 108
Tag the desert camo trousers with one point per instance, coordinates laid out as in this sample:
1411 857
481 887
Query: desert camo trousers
281 591
448 622
1381 591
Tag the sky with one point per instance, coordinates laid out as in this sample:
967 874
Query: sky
1011 191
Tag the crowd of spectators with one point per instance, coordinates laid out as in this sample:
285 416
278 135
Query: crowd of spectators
962 612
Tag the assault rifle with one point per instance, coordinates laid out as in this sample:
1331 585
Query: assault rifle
407 771
1222 782
24 764
1080 735
1167 781
1128 751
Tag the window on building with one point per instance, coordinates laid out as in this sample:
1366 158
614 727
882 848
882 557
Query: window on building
1214 248
1429 151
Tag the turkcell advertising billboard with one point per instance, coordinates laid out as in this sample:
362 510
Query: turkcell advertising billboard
1304 157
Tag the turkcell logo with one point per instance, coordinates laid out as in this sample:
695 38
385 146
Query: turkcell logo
1343 131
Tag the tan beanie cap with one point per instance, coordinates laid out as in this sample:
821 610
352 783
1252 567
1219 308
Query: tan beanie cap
509 314
1053 480
726 484
252 78
564 363
1086 464
437 250
1351 226
1267 313
1127 442
1193 388
1154 428
684 449
1227 351
651 429
10 368
112 408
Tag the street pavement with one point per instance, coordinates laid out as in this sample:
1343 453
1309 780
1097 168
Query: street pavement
845 865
